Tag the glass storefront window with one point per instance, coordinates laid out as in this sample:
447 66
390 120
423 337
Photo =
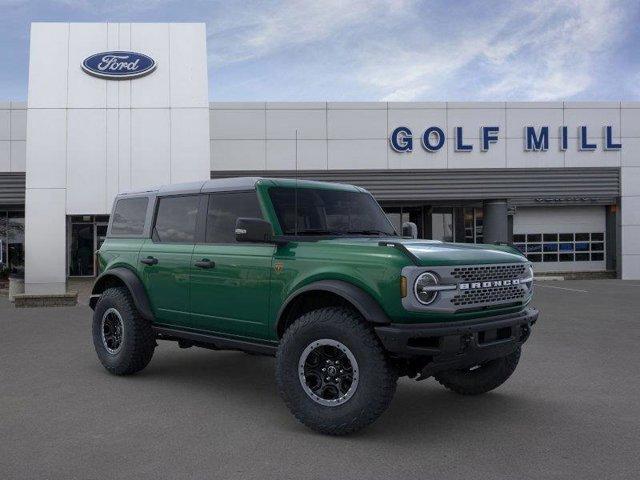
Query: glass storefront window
449 224
473 219
15 241
400 215
469 225
11 242
4 267
442 227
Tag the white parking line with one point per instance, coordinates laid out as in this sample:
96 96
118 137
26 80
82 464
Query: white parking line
562 288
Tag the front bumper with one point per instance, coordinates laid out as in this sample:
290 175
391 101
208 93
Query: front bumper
461 344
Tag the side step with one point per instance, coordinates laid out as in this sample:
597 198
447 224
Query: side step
214 342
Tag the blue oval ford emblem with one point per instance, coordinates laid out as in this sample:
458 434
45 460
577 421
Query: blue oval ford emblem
118 65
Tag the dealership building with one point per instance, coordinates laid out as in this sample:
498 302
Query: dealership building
114 107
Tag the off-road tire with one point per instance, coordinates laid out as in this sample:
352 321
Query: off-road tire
377 377
482 379
138 340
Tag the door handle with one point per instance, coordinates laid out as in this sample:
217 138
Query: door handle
149 260
205 263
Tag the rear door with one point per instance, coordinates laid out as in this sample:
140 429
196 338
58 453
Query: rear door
230 281
165 259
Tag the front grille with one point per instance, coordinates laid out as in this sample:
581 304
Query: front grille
473 287
478 273
512 293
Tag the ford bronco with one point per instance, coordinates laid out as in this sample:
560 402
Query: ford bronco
314 274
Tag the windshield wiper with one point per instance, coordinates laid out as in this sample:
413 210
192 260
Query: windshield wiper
319 231
372 232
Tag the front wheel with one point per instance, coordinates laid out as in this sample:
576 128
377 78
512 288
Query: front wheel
124 341
480 378
333 373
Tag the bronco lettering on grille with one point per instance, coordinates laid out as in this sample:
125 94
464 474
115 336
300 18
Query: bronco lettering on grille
489 284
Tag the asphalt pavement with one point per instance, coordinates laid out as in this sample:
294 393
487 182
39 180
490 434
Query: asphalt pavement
571 410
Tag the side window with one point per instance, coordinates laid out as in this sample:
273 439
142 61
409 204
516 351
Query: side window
129 216
176 219
224 209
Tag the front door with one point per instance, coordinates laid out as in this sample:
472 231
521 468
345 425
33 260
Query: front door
230 281
165 259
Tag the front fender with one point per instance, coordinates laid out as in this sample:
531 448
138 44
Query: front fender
366 305
131 281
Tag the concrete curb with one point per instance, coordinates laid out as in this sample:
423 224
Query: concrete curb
24 300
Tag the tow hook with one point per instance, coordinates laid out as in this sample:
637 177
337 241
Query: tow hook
465 341
525 333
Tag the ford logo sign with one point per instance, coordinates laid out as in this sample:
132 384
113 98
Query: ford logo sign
118 65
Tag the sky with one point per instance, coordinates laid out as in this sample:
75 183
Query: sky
377 50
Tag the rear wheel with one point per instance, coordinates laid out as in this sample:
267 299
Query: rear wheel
480 378
332 372
123 340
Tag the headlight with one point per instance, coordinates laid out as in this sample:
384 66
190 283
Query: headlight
529 279
425 288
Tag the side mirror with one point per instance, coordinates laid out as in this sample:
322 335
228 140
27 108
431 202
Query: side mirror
409 229
255 230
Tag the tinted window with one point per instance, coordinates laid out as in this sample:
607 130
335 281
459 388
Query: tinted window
323 211
129 215
224 210
176 219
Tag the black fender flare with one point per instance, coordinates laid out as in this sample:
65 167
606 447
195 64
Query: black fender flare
366 305
133 284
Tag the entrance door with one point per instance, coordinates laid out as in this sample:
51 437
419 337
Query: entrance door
81 262
230 281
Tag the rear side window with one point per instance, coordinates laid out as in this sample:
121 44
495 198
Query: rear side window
129 216
176 219
224 209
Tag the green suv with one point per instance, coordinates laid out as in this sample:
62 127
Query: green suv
314 274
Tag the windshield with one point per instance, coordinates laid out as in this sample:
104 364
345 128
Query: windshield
328 212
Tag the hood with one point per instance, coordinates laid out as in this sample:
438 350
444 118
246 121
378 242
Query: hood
439 253
433 252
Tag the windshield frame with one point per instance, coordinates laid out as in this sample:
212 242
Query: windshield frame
309 235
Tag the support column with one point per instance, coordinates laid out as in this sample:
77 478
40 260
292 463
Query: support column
495 222
45 241
611 236
629 266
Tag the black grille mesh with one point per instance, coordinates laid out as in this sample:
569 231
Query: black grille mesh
489 295
488 272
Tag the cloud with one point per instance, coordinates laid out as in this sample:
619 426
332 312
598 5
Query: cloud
560 60
398 50
260 29
105 7
408 50
542 51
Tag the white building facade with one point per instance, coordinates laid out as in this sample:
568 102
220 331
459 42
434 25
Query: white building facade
561 180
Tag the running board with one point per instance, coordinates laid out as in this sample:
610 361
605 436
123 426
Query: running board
215 342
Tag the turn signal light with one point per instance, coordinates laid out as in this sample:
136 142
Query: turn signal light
403 286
